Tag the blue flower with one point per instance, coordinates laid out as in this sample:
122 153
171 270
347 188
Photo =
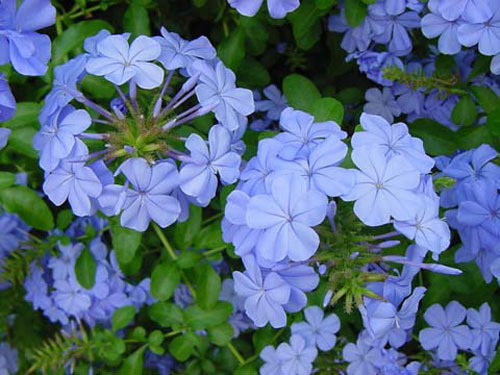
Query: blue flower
8 359
179 53
217 89
355 38
470 10
58 135
277 8
150 199
274 105
482 30
320 169
318 330
446 334
63 266
36 288
119 63
381 103
287 215
373 63
383 188
434 24
71 297
7 101
198 174
27 50
75 182
272 364
297 357
4 137
484 331
363 358
301 134
265 297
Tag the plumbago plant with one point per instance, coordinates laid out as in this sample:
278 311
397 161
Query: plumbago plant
249 187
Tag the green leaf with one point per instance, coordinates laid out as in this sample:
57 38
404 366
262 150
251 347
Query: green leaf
185 232
133 364
252 73
199 3
493 122
182 347
28 205
473 136
328 109
301 93
306 24
355 12
155 338
325 4
246 370
209 237
232 49
98 87
495 364
464 113
85 269
197 318
222 334
136 20
188 259
486 98
256 35
207 287
26 115
64 219
7 179
73 38
438 140
126 241
164 280
21 140
122 317
166 314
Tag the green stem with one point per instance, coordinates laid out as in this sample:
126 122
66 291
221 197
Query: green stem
212 218
237 354
213 251
173 333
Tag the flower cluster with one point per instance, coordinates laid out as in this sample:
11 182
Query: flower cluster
277 8
148 184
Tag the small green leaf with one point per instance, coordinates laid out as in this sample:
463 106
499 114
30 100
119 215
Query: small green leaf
438 140
136 20
222 334
301 93
188 259
186 231
486 98
207 287
197 318
98 87
306 24
232 49
122 317
7 179
85 269
328 109
166 314
164 280
495 364
64 219
252 73
133 364
155 338
26 115
325 4
126 241
493 122
355 12
246 370
256 35
464 113
182 347
209 237
28 205
21 141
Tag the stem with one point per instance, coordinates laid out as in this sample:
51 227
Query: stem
212 218
237 354
213 251
385 235
173 333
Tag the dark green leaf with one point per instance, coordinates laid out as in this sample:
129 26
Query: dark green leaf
198 318
438 140
73 38
185 232
98 87
328 109
301 93
256 35
325 4
246 370
207 287
182 347
64 219
232 49
252 73
85 269
164 280
136 20
495 364
355 12
155 338
222 334
126 241
166 314
21 140
26 115
28 205
306 24
122 317
133 364
473 136
188 259
486 98
464 113
493 122
209 237
7 179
